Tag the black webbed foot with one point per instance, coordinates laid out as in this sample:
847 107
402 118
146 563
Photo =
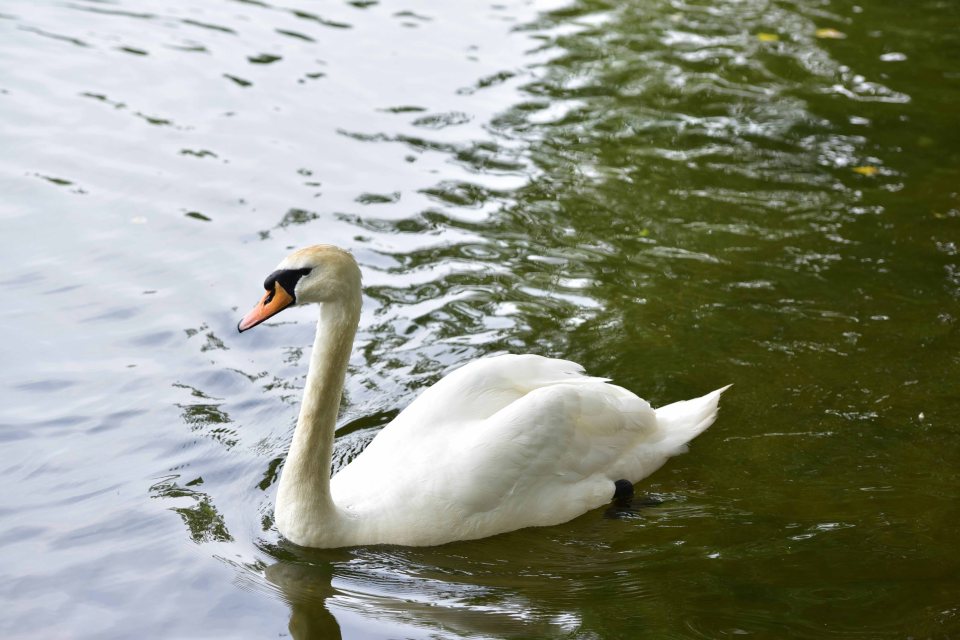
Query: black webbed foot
625 503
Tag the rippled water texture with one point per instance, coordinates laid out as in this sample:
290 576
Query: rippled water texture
677 194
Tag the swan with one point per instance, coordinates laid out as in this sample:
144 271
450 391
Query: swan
499 444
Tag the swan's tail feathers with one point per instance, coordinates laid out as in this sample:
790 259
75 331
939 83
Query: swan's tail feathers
683 421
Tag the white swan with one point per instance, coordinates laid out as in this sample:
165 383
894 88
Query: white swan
502 443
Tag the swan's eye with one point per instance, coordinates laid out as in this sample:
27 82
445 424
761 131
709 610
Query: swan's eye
286 278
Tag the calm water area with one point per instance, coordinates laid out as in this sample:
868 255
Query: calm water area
678 194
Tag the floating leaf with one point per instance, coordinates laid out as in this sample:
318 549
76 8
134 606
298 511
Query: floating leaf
196 215
768 37
866 170
830 34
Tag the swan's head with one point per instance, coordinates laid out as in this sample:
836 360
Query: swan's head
321 273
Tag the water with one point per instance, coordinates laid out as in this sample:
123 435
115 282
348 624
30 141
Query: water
676 194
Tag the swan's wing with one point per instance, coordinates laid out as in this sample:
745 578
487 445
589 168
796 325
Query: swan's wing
547 455
456 405
483 387
563 443
462 400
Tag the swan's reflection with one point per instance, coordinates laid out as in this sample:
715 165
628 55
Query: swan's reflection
306 588
366 592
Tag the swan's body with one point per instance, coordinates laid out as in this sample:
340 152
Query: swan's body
500 444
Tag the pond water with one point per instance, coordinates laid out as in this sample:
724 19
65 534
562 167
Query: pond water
678 194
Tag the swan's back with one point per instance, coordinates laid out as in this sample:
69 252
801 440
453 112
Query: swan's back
504 443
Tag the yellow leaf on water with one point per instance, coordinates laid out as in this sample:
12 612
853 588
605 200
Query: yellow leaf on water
768 37
866 170
830 33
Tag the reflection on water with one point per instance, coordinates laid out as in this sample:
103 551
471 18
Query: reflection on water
371 594
675 193
202 519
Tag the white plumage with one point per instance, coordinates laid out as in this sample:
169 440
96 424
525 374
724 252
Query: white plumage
499 444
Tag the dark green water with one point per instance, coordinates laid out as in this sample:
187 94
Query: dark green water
678 195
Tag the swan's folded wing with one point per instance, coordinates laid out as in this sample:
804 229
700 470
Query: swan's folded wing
560 443
440 420
483 387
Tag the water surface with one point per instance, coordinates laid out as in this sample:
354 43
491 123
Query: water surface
676 194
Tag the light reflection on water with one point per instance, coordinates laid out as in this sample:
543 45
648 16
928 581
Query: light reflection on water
676 194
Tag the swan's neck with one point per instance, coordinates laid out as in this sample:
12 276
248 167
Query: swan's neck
305 508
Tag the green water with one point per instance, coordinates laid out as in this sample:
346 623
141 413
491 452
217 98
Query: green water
678 195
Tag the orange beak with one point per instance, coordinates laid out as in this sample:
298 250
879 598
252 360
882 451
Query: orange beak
273 302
